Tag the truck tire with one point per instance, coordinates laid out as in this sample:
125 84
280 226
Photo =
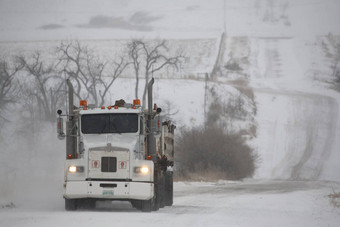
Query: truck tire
169 188
158 193
70 204
87 204
147 205
161 192
155 201
92 204
136 204
151 204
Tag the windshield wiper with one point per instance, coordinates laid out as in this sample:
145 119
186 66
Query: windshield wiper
115 128
103 129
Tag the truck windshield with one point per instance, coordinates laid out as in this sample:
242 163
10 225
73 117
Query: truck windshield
109 123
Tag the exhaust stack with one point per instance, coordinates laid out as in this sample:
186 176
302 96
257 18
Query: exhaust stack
150 101
70 125
70 99
150 139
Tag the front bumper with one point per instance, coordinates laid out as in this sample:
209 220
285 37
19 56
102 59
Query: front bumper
108 190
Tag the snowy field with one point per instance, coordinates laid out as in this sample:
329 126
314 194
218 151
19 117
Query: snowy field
297 113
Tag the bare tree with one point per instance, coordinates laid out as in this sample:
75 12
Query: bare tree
135 56
46 88
92 76
152 56
169 109
7 87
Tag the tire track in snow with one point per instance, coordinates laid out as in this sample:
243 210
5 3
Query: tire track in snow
304 136
314 133
312 122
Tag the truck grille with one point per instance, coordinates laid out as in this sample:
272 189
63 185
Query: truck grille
109 164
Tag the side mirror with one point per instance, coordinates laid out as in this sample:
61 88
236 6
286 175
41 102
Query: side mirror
60 126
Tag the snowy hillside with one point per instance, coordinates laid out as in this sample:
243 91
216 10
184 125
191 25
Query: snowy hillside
301 140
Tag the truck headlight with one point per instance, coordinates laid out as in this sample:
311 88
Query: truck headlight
142 170
76 169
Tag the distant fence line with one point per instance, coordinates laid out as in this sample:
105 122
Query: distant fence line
193 76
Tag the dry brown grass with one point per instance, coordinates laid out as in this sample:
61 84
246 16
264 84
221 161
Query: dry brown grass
207 176
247 91
239 82
335 199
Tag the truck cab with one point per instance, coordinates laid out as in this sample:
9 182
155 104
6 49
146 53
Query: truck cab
118 152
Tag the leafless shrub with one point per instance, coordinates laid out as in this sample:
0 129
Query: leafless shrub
211 150
214 113
235 108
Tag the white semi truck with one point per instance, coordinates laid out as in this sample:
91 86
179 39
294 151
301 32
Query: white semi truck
118 152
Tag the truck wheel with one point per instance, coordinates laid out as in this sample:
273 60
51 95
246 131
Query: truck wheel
92 204
158 195
70 204
137 204
147 205
169 188
88 204
155 202
151 204
161 193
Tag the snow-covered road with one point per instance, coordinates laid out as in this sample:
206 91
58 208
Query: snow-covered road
248 203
